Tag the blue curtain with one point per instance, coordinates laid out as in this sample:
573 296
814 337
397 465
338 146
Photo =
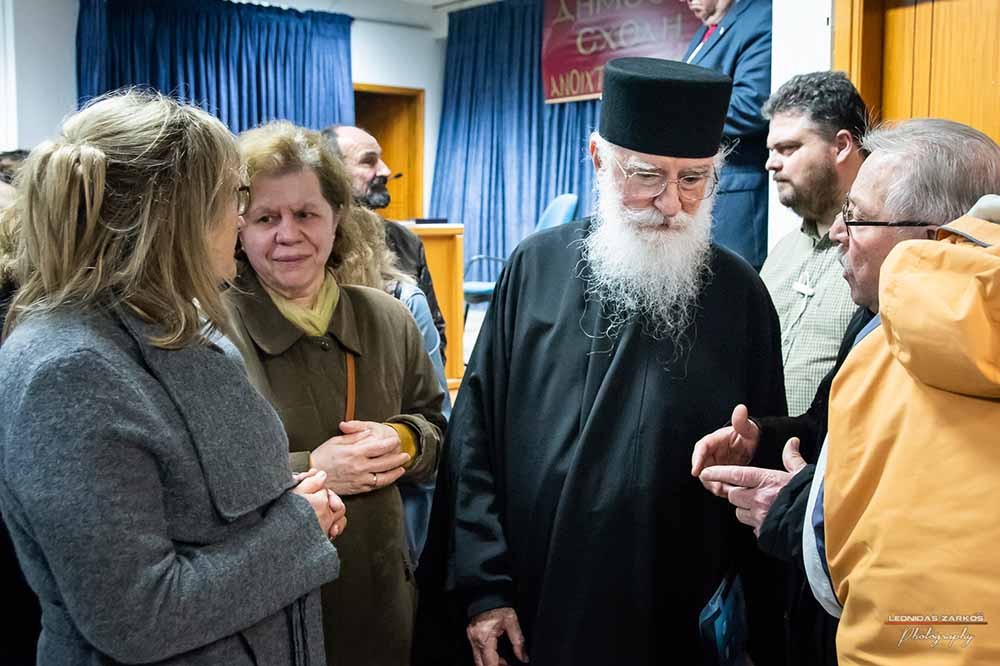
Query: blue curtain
247 64
92 63
503 154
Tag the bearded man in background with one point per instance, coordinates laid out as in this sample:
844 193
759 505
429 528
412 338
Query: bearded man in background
610 344
362 155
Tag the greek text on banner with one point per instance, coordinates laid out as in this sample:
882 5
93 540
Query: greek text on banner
580 36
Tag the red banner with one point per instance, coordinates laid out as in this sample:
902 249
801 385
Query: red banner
580 36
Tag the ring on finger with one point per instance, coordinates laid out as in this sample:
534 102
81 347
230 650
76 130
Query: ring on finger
375 479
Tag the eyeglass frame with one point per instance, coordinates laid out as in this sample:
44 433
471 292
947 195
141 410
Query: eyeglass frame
850 222
242 199
712 178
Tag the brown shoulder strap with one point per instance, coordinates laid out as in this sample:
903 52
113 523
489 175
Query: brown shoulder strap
352 393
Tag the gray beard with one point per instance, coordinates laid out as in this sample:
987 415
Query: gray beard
640 272
374 199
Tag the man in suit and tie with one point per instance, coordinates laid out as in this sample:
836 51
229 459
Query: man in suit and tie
736 40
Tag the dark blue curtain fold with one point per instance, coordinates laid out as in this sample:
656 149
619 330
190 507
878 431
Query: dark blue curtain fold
503 154
245 63
92 63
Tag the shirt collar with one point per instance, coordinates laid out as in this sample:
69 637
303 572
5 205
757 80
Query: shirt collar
810 229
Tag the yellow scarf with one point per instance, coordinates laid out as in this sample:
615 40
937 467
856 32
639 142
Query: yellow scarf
315 319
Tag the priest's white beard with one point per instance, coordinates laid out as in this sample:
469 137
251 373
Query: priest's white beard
644 266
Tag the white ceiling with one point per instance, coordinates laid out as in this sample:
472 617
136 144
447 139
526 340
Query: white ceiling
429 14
449 5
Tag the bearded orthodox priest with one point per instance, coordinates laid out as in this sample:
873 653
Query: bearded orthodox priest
611 345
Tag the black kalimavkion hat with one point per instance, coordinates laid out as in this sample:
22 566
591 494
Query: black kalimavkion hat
664 107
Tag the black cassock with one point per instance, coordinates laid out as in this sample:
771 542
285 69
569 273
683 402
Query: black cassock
570 458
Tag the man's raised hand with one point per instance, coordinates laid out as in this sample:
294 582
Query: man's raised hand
731 445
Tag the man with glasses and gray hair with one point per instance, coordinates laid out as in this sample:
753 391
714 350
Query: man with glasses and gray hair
920 175
609 346
901 526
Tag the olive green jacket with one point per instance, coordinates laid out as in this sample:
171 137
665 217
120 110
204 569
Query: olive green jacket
368 611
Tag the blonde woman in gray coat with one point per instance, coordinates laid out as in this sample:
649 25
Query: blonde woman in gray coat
145 483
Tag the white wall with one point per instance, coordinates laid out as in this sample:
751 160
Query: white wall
8 82
801 42
413 14
45 66
415 59
402 44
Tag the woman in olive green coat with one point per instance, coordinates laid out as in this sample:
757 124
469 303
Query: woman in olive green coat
346 369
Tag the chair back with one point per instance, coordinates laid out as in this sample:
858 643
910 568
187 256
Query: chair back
560 210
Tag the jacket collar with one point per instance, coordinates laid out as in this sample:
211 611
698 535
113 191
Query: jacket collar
270 331
211 393
725 25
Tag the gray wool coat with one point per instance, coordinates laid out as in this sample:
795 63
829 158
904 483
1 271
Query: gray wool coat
146 494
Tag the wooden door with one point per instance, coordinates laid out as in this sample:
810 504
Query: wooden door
395 117
924 58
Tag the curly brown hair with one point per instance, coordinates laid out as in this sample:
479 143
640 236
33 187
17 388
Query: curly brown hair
360 255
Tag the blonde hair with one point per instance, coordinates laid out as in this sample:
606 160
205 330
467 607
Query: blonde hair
359 255
117 211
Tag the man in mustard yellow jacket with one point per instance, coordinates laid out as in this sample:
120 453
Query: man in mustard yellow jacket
912 520
911 460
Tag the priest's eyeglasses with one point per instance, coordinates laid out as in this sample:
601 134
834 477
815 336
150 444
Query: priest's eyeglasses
242 199
848 216
640 184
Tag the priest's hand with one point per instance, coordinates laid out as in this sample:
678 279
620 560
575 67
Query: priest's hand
486 628
752 490
732 445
